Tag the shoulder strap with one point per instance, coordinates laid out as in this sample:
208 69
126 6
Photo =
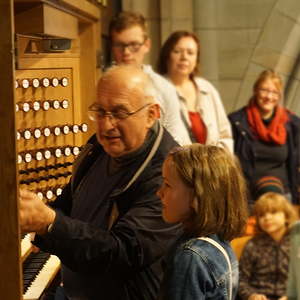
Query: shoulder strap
217 245
146 161
115 212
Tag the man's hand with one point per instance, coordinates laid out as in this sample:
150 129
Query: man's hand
35 215
257 297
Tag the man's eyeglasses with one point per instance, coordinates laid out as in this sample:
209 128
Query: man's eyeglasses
266 92
132 47
97 114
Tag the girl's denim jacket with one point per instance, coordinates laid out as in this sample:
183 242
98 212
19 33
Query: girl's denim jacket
197 269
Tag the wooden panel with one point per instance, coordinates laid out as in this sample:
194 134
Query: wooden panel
10 284
79 66
84 6
47 20
65 25
90 37
82 9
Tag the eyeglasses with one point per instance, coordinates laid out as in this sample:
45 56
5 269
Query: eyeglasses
98 114
265 92
132 47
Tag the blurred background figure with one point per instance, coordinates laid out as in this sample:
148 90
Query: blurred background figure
265 258
293 287
130 44
201 106
266 140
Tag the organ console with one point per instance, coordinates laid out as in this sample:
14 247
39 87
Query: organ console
43 106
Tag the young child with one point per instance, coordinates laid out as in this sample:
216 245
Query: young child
204 190
265 258
293 287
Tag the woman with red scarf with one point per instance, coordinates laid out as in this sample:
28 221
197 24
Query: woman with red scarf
266 140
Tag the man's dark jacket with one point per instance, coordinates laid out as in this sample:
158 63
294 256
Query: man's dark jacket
123 263
245 150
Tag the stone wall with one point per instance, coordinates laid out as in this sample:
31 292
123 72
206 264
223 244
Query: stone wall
238 39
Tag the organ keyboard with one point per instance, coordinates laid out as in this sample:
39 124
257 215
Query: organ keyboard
39 269
38 272
26 245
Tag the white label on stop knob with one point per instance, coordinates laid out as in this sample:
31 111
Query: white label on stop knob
49 195
67 151
39 155
47 154
28 157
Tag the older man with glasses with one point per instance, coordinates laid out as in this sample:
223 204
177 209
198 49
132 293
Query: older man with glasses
130 43
106 226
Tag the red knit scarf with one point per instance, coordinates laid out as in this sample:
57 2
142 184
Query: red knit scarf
275 132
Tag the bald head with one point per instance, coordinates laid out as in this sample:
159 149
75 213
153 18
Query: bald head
124 110
128 78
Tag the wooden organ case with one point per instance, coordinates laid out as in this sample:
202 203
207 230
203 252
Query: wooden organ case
49 69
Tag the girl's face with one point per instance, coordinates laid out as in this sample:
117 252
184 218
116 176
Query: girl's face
175 196
183 57
273 223
267 97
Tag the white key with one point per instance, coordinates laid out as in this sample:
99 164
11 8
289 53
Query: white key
43 279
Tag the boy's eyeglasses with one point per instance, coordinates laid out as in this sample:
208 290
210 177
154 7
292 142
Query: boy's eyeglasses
132 47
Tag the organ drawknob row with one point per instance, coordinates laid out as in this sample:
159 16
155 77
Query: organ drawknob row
50 194
56 166
43 82
42 105
39 155
58 130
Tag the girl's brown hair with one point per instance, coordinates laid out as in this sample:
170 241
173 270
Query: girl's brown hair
273 202
168 46
219 190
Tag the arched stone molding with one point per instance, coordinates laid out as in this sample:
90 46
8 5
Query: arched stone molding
238 39
278 48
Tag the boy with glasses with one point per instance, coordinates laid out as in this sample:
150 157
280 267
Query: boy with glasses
130 43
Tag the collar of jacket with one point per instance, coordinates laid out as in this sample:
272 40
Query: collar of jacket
93 149
240 122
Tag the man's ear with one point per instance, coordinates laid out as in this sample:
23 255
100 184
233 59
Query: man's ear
153 114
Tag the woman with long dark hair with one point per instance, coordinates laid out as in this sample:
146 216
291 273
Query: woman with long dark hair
201 106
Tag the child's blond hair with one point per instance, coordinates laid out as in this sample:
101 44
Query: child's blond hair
274 202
